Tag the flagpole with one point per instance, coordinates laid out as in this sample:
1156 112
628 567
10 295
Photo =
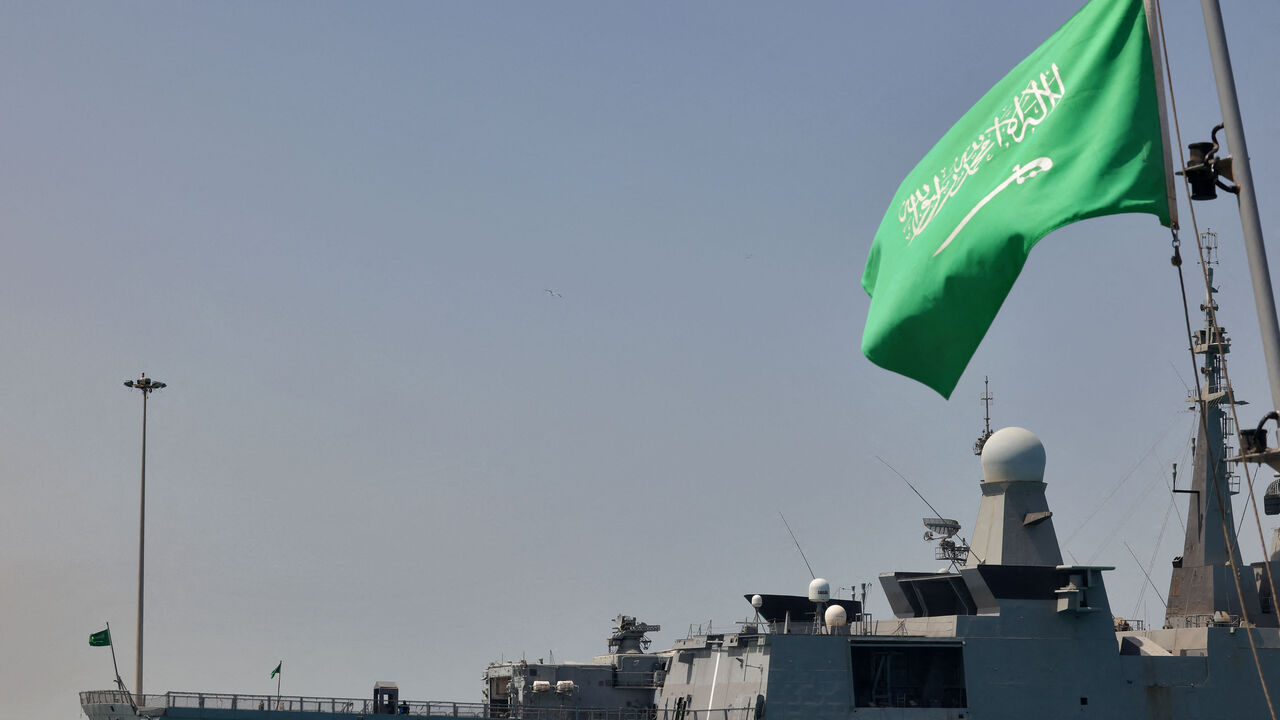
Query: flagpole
279 677
1263 295
97 639
111 644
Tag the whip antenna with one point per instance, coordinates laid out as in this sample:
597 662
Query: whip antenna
797 542
908 482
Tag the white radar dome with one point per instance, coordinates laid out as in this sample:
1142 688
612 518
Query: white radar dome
757 602
836 616
819 590
1013 454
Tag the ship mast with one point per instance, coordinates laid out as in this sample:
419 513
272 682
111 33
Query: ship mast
986 399
1202 584
1204 173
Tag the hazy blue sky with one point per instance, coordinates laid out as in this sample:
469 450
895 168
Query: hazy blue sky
387 453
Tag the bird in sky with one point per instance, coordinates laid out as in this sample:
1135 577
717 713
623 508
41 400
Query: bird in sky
552 293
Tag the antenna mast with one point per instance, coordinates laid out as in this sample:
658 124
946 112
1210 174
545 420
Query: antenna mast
986 399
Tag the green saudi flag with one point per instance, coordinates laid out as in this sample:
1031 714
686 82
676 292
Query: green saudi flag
100 638
277 670
1074 131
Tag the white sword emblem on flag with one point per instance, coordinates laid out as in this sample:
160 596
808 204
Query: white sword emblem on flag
1021 173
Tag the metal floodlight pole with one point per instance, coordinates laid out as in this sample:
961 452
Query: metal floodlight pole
1263 297
147 386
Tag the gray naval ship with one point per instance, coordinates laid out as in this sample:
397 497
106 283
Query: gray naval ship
1008 631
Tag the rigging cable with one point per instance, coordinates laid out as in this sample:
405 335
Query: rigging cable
1104 501
1155 550
1144 571
1128 513
1191 433
1177 261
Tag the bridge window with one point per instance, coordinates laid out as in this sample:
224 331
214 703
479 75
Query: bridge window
908 675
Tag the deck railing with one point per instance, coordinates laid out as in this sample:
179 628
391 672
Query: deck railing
862 624
360 706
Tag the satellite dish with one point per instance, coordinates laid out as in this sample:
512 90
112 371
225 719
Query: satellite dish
836 616
819 590
757 602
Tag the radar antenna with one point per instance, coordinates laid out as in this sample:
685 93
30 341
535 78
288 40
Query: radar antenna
986 399
944 531
1209 239
939 528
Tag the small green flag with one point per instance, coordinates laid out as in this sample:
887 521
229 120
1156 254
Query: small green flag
100 638
1074 131
277 670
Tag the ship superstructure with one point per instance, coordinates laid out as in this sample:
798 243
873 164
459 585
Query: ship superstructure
626 678
1014 633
